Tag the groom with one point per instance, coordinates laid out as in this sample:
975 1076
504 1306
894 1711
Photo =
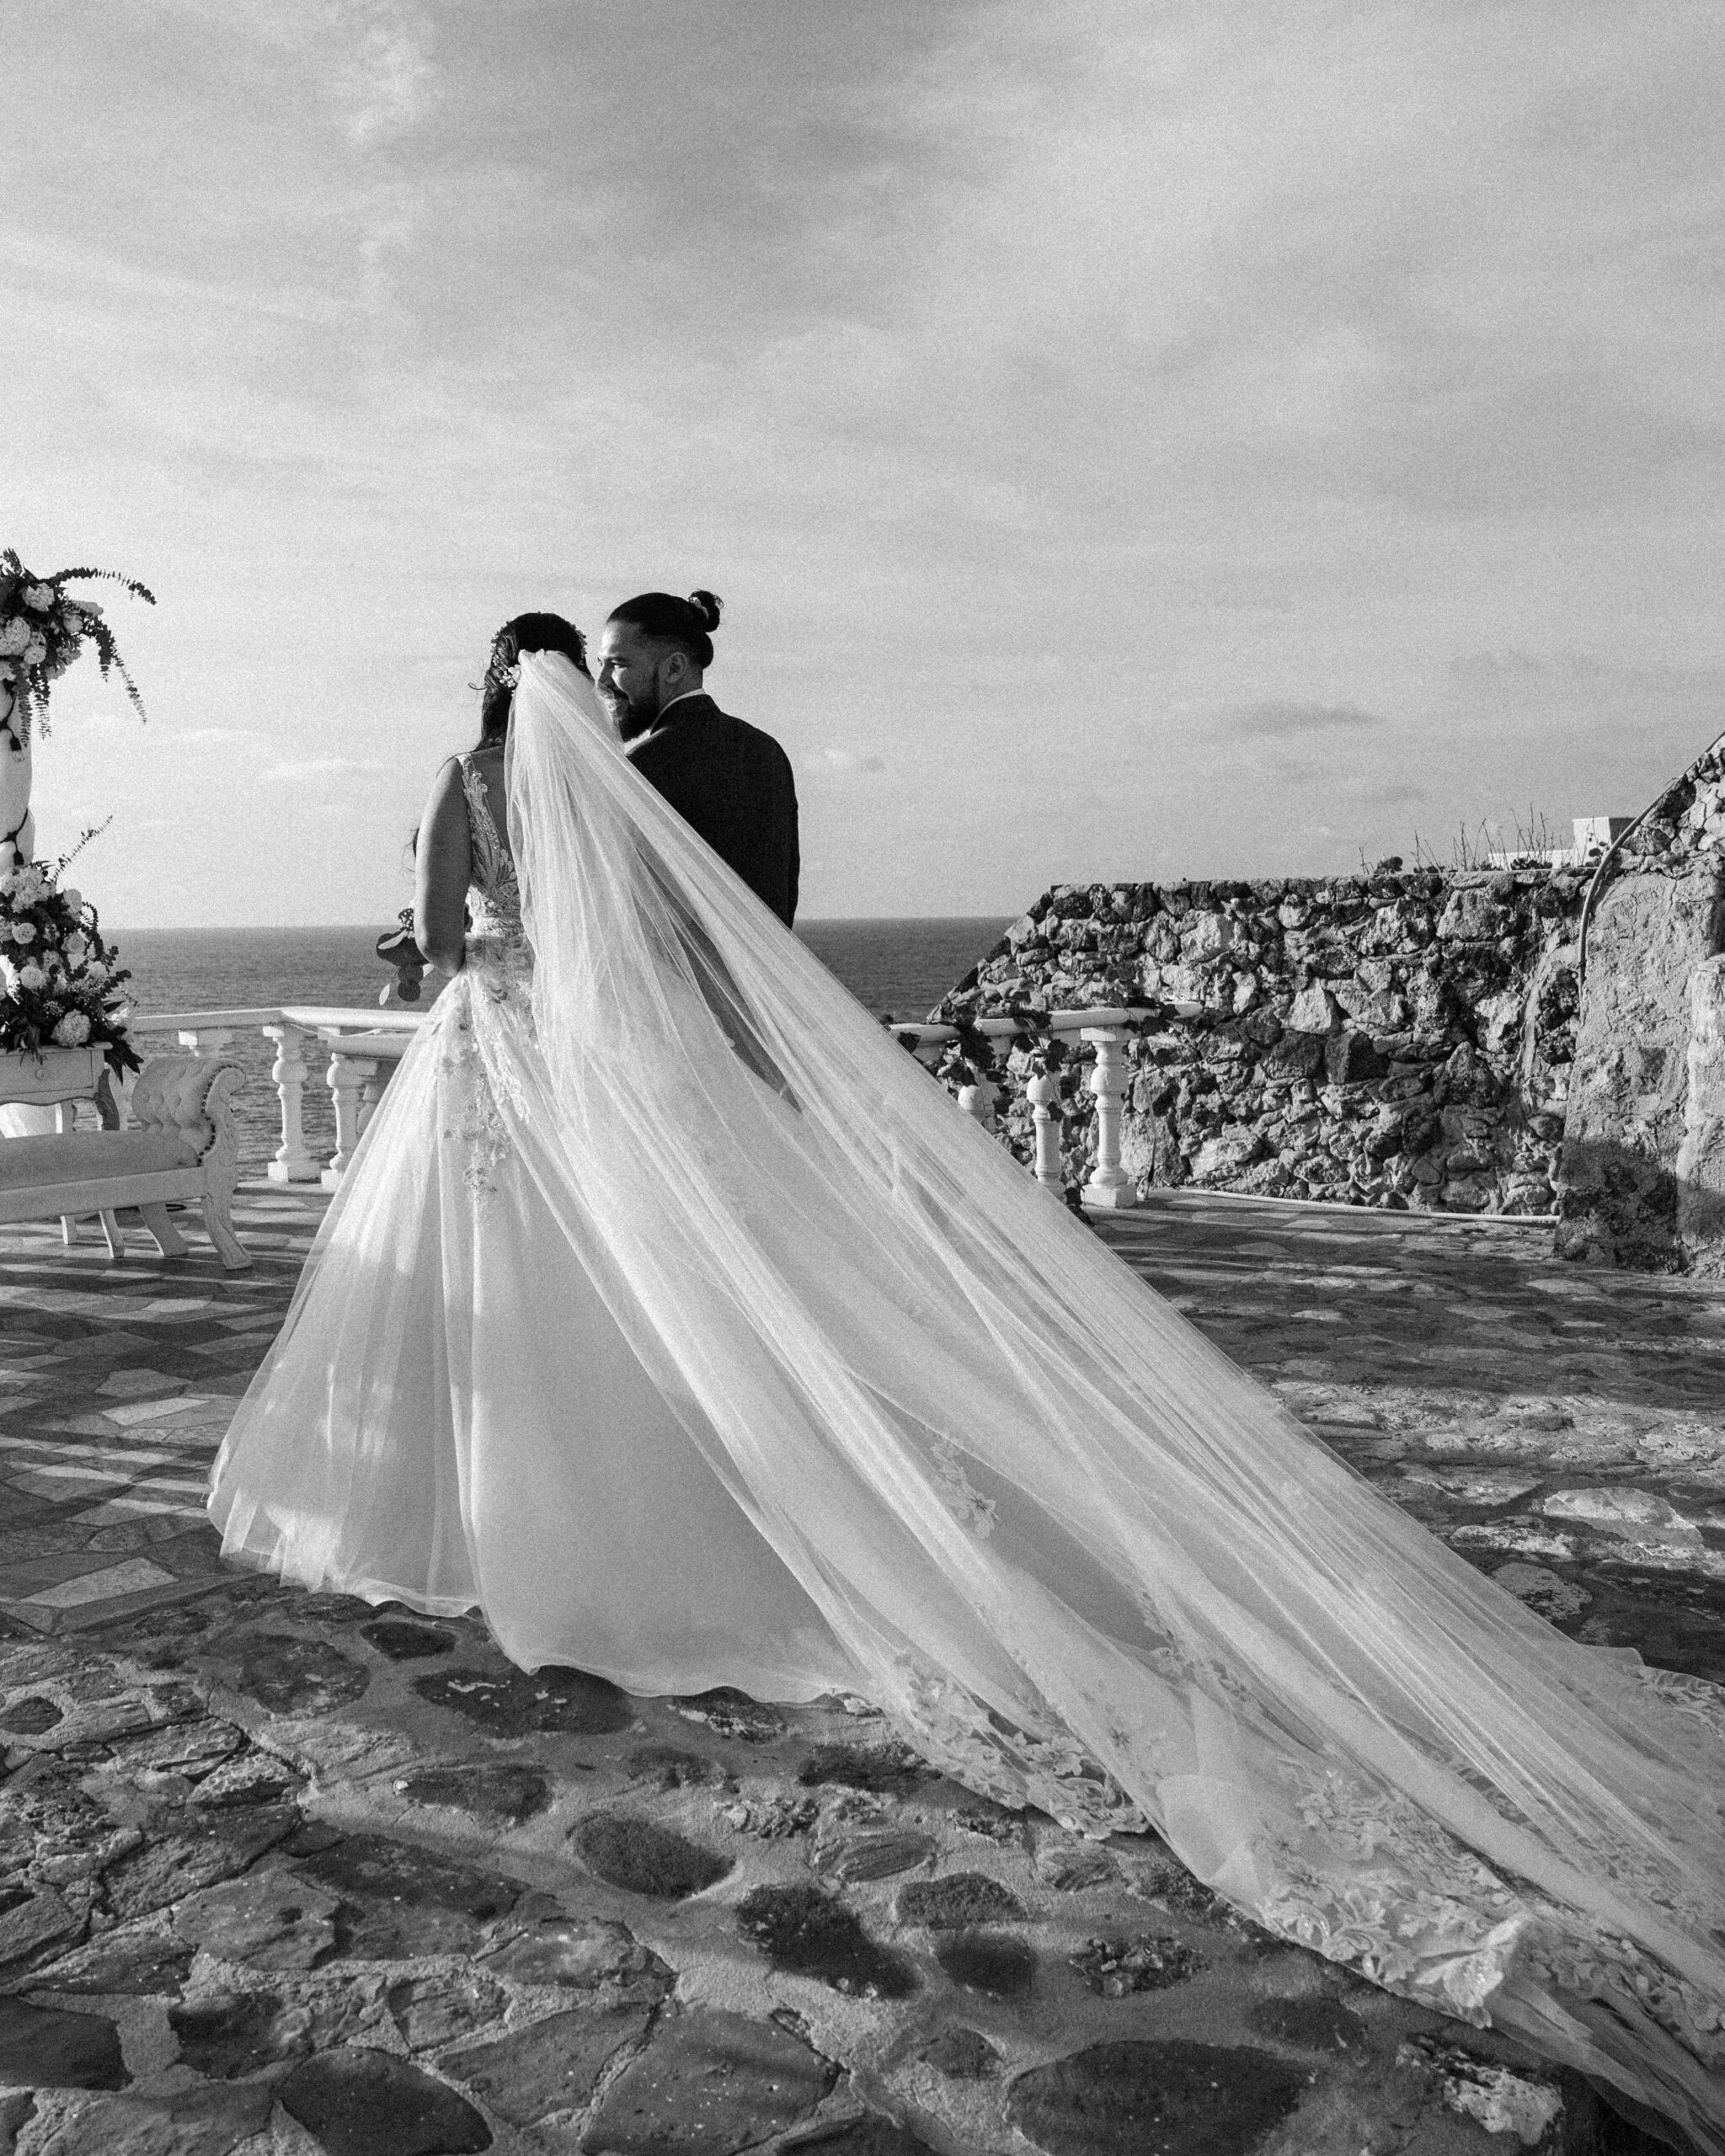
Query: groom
729 781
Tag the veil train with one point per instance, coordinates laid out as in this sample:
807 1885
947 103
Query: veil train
981 1473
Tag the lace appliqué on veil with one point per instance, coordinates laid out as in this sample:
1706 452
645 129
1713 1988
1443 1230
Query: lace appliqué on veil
1015 1764
958 1493
1353 1870
1377 1884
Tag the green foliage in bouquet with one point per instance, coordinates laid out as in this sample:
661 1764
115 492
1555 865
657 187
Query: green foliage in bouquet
42 630
60 983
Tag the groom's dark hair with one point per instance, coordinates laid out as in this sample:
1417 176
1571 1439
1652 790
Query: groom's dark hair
686 624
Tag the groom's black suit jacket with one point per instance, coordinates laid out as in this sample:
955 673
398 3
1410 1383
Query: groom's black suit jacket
733 784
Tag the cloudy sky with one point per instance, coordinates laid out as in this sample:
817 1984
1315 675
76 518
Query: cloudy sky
1132 437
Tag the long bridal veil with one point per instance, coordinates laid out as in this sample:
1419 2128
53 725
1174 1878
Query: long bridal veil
988 1479
1081 1559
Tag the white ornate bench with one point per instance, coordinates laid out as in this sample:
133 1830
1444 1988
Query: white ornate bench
183 1148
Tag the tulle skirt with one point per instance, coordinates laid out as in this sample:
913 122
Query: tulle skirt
452 1417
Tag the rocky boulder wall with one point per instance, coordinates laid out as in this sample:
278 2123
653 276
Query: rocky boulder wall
1619 1173
1701 1158
1641 1181
1394 1039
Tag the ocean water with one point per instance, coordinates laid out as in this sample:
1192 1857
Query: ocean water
903 967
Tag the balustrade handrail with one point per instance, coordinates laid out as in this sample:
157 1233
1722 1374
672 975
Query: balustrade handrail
314 1017
362 1040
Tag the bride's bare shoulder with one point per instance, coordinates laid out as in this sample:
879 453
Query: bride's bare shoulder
447 791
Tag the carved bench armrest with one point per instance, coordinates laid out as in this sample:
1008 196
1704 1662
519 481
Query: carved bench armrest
190 1093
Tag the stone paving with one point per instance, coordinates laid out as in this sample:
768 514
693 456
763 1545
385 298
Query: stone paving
285 1873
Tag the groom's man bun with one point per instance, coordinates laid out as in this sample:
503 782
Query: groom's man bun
685 624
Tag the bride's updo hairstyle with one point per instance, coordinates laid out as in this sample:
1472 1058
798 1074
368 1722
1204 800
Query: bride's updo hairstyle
526 632
686 625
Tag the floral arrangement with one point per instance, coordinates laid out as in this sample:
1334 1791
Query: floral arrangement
60 983
42 631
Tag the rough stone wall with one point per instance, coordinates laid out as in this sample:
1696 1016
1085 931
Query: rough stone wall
1701 1158
1618 1171
1640 1176
1395 1039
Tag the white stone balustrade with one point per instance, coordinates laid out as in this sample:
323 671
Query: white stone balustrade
1107 1031
362 1049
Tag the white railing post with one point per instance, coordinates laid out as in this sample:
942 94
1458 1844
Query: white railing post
294 1161
347 1077
371 1094
1044 1094
1109 1185
977 1101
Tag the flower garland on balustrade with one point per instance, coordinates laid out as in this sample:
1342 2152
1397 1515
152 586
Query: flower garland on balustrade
42 631
60 983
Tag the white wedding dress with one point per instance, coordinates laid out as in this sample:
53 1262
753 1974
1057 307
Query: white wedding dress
669 1314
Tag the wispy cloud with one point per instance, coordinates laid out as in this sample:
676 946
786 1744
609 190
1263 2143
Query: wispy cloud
1293 720
387 80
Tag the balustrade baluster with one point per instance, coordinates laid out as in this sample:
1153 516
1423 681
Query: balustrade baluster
294 1161
1044 1095
1109 1185
371 1095
977 1101
348 1074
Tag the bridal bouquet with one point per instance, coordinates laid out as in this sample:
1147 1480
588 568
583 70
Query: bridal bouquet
42 630
60 983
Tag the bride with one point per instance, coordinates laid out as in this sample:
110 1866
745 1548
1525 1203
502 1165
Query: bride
670 1315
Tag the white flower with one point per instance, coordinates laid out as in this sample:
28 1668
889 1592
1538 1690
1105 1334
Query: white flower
35 651
23 932
38 597
73 897
76 948
32 977
73 1030
96 973
14 635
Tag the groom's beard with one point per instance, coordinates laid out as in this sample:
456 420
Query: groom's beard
633 715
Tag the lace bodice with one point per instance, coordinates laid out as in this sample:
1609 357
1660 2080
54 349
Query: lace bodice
494 896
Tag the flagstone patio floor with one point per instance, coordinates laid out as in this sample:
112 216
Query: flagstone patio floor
283 1873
